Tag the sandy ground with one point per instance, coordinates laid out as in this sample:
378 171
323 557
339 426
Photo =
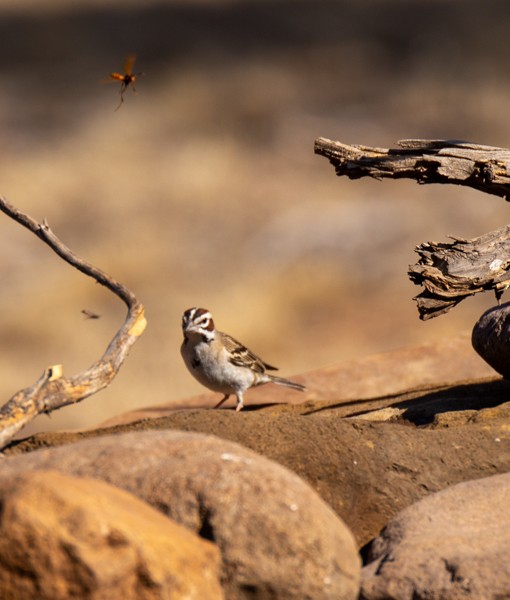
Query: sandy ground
204 190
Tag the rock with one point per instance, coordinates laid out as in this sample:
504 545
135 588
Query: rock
491 338
366 470
451 545
277 538
63 537
448 360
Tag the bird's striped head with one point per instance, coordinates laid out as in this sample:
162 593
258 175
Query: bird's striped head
198 321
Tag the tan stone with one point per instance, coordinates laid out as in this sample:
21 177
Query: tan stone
63 537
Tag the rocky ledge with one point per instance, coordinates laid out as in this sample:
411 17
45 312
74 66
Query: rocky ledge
397 460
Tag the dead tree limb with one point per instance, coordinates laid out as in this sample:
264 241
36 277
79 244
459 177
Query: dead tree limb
483 168
52 390
450 272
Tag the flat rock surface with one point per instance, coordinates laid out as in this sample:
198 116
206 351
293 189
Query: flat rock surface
443 362
67 537
451 545
276 536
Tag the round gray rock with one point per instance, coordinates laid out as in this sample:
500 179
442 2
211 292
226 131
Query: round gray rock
451 545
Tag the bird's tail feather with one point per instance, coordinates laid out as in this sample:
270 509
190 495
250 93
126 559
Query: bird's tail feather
287 383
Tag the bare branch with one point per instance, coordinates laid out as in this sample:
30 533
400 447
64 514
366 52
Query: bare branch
53 391
483 168
450 272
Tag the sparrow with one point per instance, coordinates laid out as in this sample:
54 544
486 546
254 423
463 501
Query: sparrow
221 363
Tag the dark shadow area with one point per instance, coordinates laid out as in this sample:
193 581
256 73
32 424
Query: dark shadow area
364 553
422 410
344 49
422 406
237 31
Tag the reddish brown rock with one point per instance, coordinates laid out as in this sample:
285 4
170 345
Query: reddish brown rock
451 545
447 360
66 537
277 538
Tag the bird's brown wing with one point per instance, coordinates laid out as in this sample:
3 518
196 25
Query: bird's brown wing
242 356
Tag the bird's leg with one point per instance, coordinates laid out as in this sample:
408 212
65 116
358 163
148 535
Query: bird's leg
240 401
225 397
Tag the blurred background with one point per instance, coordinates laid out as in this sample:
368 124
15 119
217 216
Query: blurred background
203 190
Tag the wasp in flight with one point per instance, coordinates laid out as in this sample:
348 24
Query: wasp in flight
127 78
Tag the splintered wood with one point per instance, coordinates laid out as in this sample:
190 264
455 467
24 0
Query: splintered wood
450 272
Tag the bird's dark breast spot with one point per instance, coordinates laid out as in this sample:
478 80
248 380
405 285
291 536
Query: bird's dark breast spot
195 363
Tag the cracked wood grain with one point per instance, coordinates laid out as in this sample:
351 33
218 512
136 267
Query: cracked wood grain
483 168
448 272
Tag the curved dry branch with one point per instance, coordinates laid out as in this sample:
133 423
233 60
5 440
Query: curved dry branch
483 168
52 391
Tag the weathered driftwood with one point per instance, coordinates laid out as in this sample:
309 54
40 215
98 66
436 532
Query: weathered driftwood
427 161
448 272
52 390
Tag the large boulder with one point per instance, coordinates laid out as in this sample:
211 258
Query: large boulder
276 536
66 537
451 545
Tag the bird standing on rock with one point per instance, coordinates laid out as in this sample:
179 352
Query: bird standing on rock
220 362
